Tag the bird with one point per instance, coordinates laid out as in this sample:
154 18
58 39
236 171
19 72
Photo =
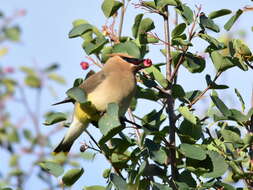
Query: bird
114 83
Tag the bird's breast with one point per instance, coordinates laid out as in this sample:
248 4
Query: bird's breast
118 88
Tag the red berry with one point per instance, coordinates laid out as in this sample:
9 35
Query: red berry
84 65
147 62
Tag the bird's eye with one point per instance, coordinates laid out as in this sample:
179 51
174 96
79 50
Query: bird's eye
134 61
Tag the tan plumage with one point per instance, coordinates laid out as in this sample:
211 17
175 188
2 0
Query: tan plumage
114 83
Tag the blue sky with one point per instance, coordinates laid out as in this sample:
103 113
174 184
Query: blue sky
45 39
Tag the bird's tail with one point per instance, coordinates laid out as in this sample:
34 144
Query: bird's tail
75 129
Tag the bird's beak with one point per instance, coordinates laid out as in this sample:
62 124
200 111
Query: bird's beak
145 63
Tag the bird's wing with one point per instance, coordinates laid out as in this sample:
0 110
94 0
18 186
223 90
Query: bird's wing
93 81
88 86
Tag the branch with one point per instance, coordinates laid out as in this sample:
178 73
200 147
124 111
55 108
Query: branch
137 132
121 18
170 102
167 44
108 159
191 35
203 93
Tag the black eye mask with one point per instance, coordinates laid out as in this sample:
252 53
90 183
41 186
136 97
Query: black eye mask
134 61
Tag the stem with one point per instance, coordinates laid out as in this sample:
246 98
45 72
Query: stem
137 132
121 19
28 109
167 44
108 159
203 93
170 102
185 49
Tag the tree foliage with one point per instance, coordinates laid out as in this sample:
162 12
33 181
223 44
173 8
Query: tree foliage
174 147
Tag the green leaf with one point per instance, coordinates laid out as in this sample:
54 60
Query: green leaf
27 70
109 124
219 165
135 27
208 23
146 93
77 94
127 47
177 91
153 120
213 85
95 187
157 75
178 30
240 99
56 78
186 13
110 7
238 116
241 48
231 137
79 30
146 25
156 152
52 167
87 155
190 96
184 110
95 45
33 81
12 33
118 182
14 160
219 13
162 3
106 173
186 177
152 170
71 176
194 63
233 19
221 63
221 106
55 117
52 67
189 133
192 151
87 36
214 43
157 186
225 186
180 42
150 4
105 53
6 188
78 82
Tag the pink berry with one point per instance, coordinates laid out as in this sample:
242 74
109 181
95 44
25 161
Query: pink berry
84 65
147 62
8 70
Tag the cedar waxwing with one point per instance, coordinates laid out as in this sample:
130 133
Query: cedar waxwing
116 83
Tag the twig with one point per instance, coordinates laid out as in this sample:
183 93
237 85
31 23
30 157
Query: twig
170 103
203 93
167 45
28 109
94 62
108 159
121 18
191 35
137 132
